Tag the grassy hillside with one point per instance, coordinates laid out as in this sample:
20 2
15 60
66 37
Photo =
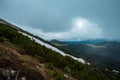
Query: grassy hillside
56 64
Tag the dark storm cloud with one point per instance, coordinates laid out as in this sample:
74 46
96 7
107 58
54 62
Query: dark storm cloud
56 16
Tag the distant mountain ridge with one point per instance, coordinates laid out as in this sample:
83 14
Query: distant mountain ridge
90 41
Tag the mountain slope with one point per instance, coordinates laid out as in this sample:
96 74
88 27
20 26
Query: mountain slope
54 48
57 66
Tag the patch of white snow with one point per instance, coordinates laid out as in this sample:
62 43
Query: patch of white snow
115 71
54 48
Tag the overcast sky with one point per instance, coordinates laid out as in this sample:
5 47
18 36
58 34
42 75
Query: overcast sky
65 19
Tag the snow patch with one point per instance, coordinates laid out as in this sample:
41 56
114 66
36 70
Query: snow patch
106 69
115 71
54 48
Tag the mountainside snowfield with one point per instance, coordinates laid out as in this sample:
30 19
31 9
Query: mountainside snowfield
47 45
54 48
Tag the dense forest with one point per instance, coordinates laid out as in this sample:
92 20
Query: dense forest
54 60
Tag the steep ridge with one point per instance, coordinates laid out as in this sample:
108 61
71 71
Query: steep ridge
45 44
31 50
55 49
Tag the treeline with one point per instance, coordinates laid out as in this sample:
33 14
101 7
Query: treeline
66 64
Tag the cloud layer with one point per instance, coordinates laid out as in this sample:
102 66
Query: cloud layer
80 29
52 19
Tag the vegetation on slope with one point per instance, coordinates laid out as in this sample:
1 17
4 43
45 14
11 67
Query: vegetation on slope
45 55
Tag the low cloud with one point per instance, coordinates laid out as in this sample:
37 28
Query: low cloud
80 29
